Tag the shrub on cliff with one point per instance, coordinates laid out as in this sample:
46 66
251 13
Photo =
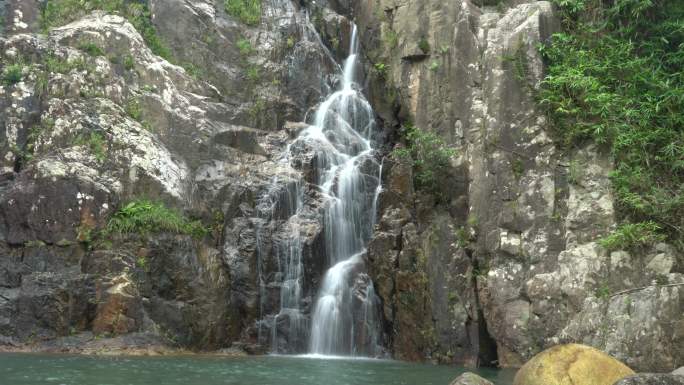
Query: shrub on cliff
430 156
145 217
615 77
55 13
12 74
247 11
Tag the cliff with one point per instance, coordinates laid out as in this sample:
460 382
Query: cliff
173 115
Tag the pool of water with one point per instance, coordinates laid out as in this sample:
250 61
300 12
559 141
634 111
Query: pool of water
36 369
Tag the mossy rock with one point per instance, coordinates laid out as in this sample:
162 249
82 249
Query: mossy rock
572 365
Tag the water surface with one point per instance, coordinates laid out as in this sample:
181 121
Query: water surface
38 369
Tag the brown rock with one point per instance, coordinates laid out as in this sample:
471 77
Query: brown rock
119 309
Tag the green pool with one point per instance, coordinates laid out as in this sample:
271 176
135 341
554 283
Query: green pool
35 369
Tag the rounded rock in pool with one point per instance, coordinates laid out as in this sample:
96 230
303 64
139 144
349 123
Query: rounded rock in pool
572 364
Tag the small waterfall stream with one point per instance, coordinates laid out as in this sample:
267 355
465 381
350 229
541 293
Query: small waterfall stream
345 173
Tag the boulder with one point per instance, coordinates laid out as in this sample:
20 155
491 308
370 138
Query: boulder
470 379
679 372
652 379
571 364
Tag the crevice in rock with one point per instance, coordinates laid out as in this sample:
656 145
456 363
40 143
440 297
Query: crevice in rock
484 344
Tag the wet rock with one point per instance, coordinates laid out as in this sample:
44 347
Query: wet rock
136 344
242 139
119 309
576 364
470 379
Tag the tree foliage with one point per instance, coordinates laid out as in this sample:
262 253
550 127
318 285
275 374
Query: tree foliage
615 77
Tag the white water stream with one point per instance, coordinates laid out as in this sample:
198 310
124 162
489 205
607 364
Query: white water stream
344 317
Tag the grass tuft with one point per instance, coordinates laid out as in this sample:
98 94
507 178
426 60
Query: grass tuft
247 11
147 217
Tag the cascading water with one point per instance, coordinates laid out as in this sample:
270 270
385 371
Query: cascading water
346 174
350 178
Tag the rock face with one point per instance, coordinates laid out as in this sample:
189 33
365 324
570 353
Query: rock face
571 364
505 265
96 119
509 265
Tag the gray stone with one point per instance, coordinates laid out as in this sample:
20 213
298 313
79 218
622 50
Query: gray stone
470 379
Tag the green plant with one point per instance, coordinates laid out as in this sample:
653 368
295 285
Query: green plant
290 42
632 235
614 78
424 45
35 243
518 168
391 39
96 142
519 61
481 269
245 47
430 156
603 292
462 237
129 63
257 109
148 88
472 220
84 234
218 223
12 74
253 73
381 69
34 133
574 172
434 65
147 217
661 279
55 13
91 49
147 126
335 42
193 70
42 84
55 64
247 11
444 49
134 109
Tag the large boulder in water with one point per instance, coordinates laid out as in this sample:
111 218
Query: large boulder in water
652 379
470 379
572 364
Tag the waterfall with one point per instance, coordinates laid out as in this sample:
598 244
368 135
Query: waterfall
350 177
341 191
